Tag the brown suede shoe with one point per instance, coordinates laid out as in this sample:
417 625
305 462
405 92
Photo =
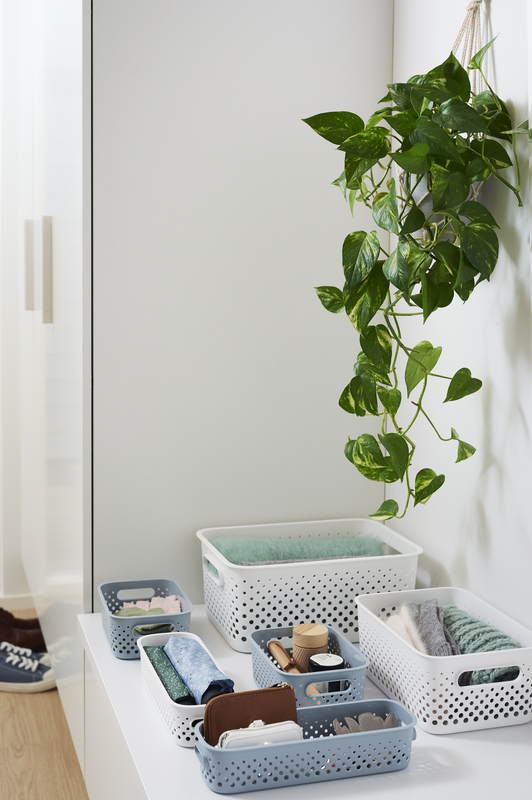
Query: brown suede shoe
21 638
17 622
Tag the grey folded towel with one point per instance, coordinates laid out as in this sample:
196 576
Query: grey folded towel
434 634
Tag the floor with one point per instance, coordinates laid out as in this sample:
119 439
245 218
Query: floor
37 756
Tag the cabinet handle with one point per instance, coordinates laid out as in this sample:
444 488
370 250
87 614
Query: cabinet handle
47 272
29 280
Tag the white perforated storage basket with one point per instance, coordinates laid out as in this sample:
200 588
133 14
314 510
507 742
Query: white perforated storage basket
180 719
242 599
428 685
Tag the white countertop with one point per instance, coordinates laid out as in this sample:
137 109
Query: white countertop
487 764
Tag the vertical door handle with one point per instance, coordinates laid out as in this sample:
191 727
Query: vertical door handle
29 279
47 271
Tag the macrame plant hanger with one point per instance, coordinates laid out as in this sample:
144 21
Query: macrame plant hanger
470 33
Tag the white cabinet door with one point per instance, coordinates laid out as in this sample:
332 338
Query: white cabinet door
51 343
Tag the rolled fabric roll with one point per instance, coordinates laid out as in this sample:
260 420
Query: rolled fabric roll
169 678
197 669
474 636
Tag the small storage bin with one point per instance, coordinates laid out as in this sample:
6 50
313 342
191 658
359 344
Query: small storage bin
267 673
119 630
242 599
428 685
180 719
321 756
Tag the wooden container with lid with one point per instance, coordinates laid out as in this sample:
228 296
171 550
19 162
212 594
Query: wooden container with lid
307 640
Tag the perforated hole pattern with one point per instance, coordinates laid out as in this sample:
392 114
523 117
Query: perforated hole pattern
249 602
119 631
266 671
314 760
428 686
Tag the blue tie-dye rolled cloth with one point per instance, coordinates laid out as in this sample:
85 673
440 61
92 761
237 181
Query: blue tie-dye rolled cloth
197 669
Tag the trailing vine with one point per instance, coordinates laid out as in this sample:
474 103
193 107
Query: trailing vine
443 143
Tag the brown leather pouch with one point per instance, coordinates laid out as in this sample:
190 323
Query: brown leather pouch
238 710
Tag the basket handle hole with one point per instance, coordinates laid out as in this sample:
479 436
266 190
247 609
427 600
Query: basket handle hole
327 687
156 627
488 675
144 593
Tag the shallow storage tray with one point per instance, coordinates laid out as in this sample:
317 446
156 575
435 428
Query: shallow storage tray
428 685
321 756
180 719
119 630
267 673
242 599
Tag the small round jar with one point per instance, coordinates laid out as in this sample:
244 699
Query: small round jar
307 640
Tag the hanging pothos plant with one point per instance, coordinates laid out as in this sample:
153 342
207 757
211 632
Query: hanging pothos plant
442 143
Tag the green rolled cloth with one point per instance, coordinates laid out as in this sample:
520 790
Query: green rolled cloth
474 636
170 679
155 627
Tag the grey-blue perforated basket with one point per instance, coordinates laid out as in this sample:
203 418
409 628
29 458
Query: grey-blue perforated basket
120 630
266 671
321 755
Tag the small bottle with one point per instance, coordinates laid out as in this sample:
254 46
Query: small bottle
307 640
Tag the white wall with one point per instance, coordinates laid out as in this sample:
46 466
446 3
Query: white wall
216 370
476 530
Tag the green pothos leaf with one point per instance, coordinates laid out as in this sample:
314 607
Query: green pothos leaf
476 212
465 450
386 510
462 384
481 245
384 209
369 459
377 372
336 126
372 143
397 447
360 251
364 393
390 399
363 302
421 361
427 482
415 159
478 58
396 267
415 220
376 343
450 187
331 298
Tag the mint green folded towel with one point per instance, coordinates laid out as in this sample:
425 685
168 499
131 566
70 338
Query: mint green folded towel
238 549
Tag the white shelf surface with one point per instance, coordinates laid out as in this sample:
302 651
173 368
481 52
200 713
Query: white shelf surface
473 764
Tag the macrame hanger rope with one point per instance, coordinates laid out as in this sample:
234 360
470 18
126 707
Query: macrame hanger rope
470 32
